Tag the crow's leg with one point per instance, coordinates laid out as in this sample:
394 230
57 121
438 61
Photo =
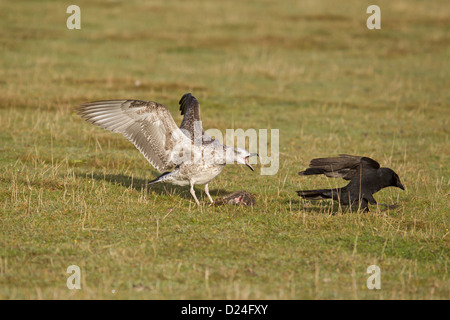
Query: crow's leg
388 206
364 206
369 198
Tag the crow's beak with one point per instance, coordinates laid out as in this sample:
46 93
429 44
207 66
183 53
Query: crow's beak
246 160
399 185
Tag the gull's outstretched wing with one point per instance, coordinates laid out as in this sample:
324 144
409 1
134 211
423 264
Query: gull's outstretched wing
345 166
192 123
147 124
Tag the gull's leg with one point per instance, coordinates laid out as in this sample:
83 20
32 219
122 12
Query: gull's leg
207 193
193 194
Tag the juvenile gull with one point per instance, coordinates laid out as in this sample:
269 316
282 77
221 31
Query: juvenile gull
365 175
193 157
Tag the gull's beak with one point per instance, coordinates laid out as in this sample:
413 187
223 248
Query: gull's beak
246 160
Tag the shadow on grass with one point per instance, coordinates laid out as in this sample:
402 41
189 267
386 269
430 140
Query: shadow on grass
142 184
321 207
325 207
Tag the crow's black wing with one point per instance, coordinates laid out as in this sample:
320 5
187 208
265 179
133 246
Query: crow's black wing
345 166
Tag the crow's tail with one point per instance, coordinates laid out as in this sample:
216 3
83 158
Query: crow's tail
312 171
319 194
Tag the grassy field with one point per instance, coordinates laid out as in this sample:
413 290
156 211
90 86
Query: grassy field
74 194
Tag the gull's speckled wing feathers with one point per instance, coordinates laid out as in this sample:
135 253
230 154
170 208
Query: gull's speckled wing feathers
190 109
345 166
192 123
147 124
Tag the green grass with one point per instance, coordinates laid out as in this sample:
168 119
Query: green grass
72 193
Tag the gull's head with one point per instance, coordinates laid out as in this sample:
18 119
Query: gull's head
241 156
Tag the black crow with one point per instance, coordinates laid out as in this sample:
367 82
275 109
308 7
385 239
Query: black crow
365 175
